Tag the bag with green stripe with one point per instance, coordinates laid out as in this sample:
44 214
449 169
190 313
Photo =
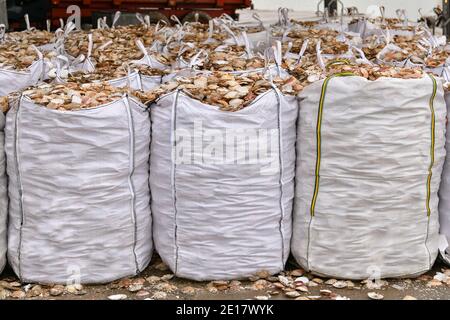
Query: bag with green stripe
370 157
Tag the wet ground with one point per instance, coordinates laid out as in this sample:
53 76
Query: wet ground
157 282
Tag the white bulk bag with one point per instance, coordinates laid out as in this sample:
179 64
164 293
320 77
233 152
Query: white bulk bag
148 82
79 196
132 80
12 80
444 197
390 47
222 217
3 196
370 156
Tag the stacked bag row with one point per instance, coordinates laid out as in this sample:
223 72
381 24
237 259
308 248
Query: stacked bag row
345 175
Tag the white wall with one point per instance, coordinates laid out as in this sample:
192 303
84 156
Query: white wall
391 5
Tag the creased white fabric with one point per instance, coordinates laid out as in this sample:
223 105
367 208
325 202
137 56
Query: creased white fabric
11 80
79 196
370 216
3 195
216 219
444 194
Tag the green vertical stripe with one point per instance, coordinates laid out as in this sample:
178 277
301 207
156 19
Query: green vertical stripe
433 133
319 136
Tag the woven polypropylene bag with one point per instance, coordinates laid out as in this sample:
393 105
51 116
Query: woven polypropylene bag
217 216
370 156
13 80
444 198
79 196
3 196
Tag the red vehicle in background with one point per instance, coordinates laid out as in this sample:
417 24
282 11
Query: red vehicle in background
185 10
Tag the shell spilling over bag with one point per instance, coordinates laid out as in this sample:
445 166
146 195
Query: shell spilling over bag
221 208
12 80
79 196
370 156
444 197
3 196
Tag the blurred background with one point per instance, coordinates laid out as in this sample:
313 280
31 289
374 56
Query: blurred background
39 11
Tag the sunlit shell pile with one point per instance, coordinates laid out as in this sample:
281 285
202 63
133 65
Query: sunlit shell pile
83 77
123 38
222 61
305 23
30 37
328 39
376 72
226 91
73 96
437 58
19 56
147 70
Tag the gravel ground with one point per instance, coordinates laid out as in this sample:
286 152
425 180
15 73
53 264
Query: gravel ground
157 282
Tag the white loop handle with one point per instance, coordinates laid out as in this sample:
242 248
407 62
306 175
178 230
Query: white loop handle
79 59
233 35
175 18
319 56
141 47
210 29
115 19
140 18
90 45
105 23
258 18
382 12
160 22
105 45
196 59
39 53
147 20
248 49
362 55
27 22
69 28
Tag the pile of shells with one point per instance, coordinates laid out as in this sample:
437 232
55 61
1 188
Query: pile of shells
106 74
372 50
408 45
148 70
328 39
29 37
114 56
19 56
73 96
375 72
97 76
199 33
436 59
124 36
226 91
306 72
306 23
222 61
